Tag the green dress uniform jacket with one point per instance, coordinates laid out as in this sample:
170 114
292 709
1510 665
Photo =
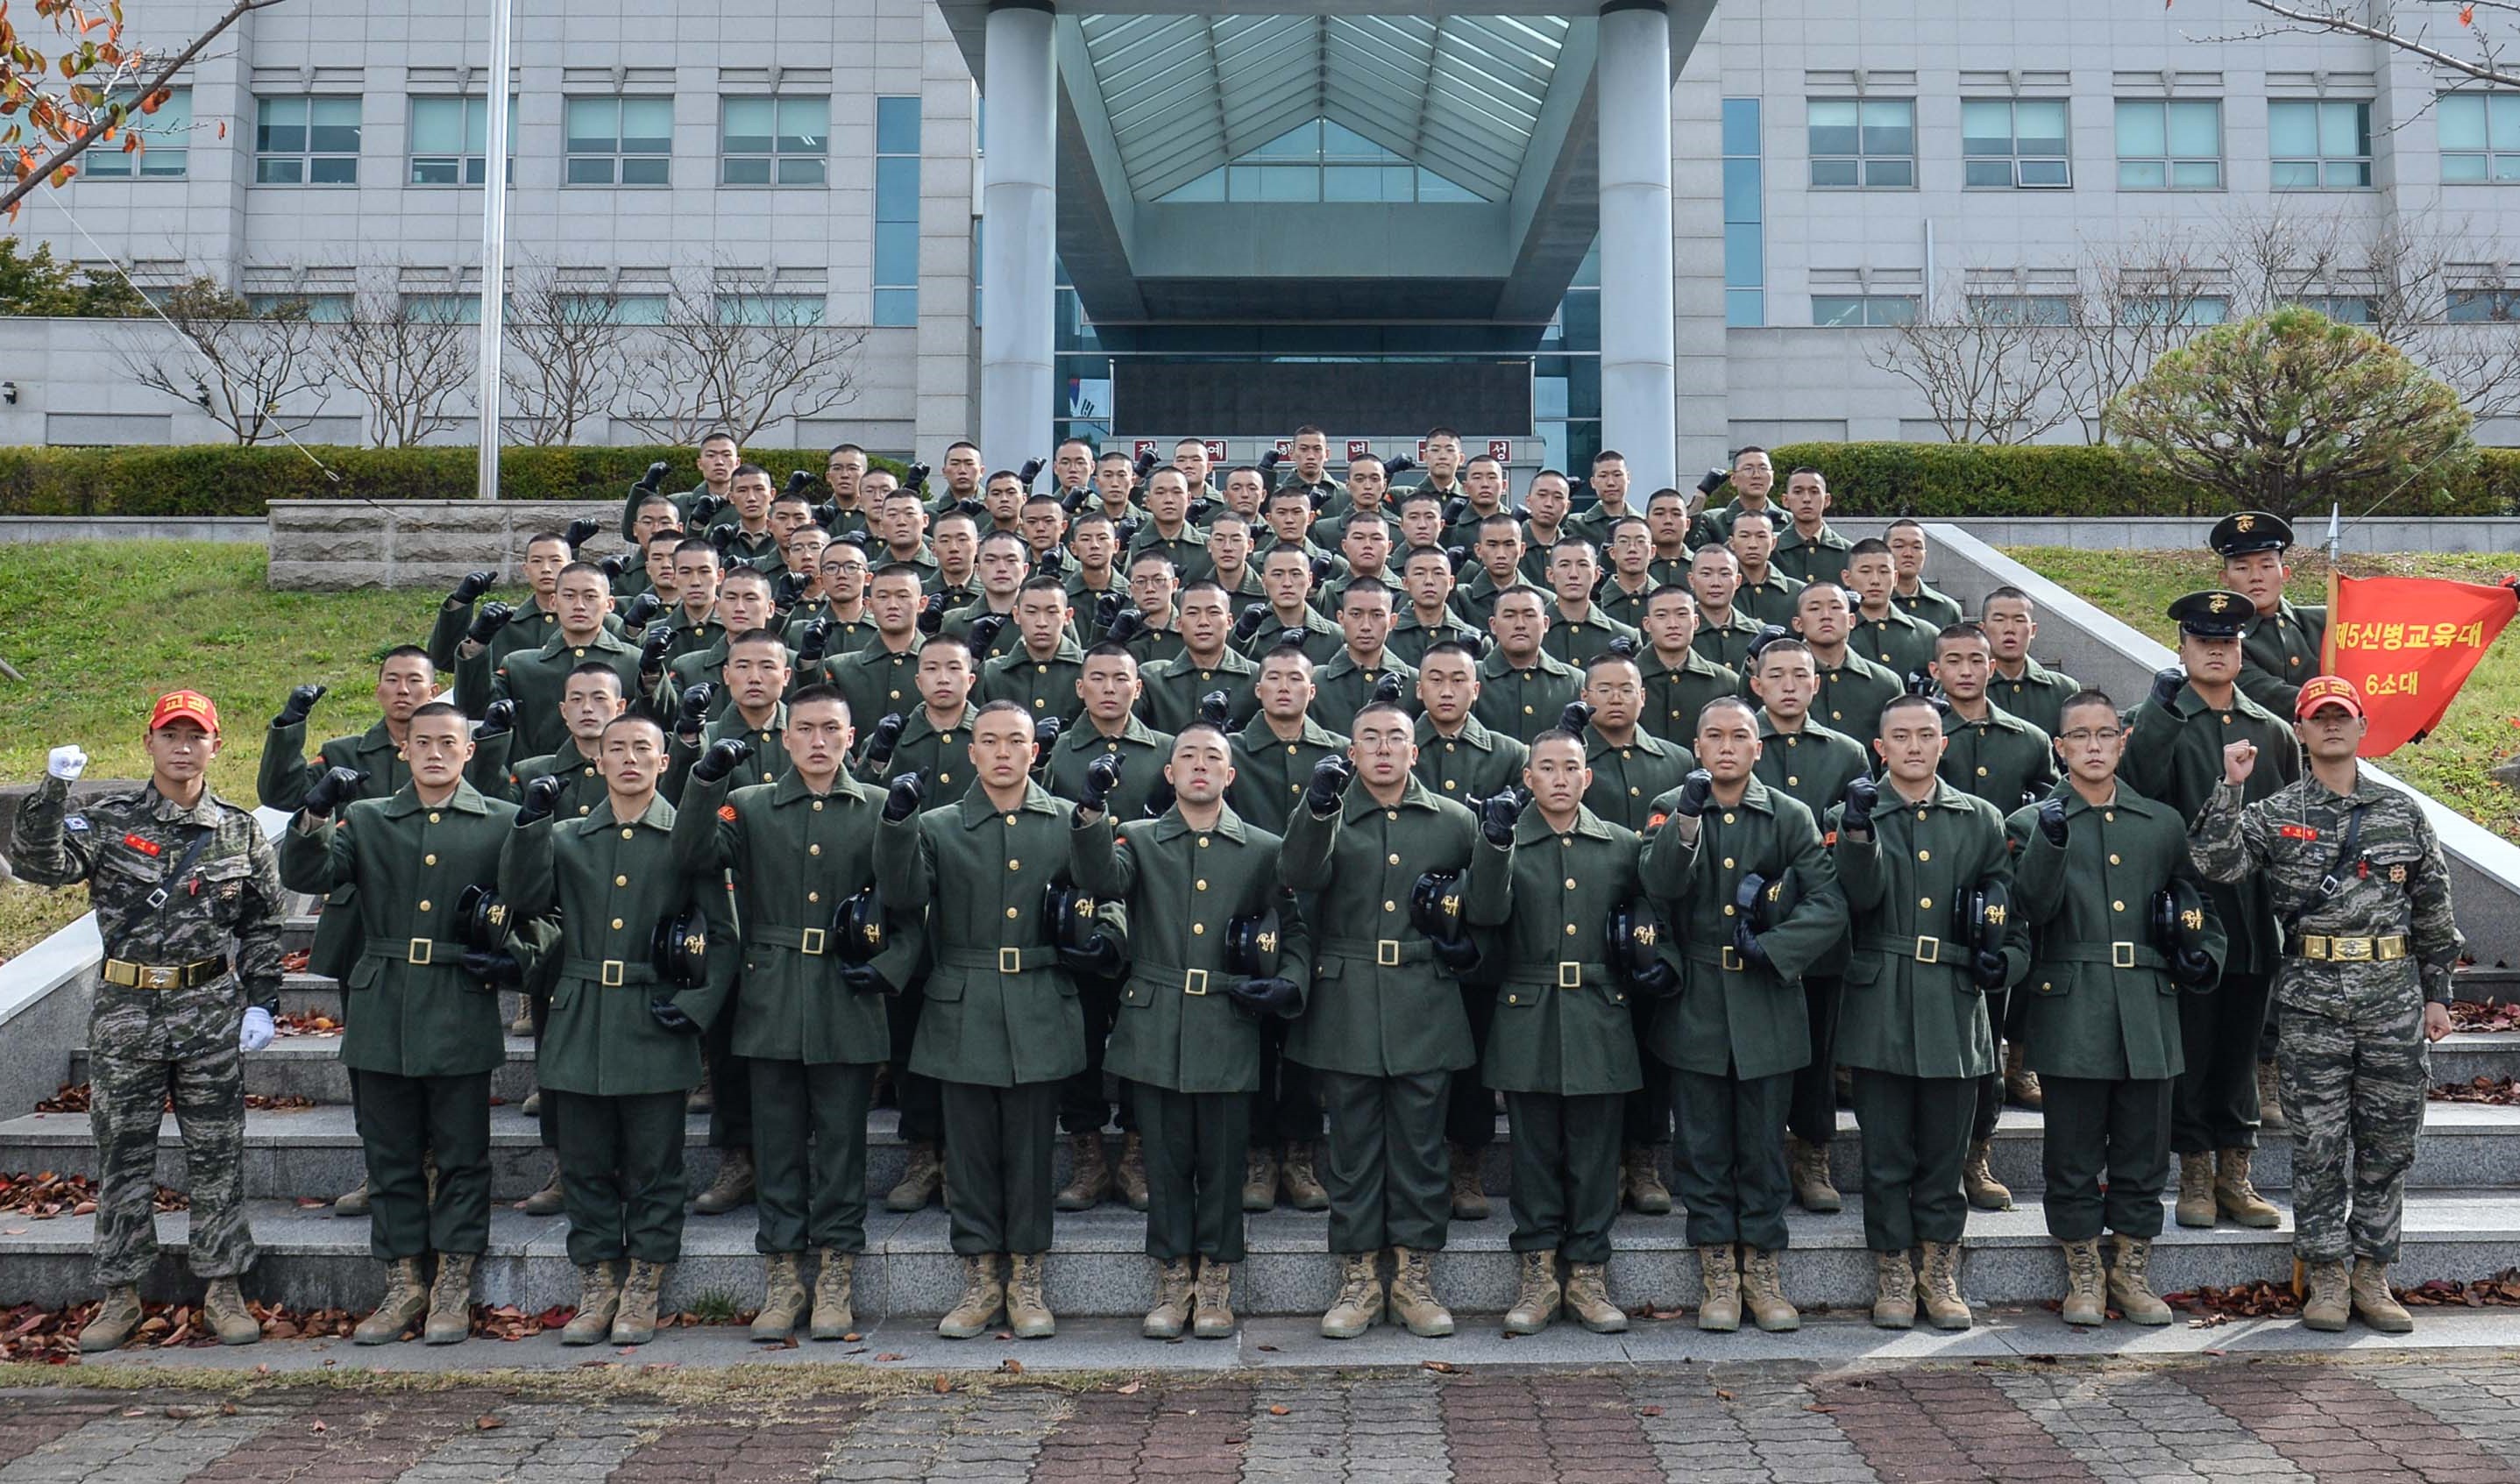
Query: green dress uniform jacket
1142 752
1342 686
1626 778
535 682
2175 755
2038 696
1473 763
531 627
1411 638
1905 1014
1938 610
1713 526
1381 1007
1626 607
690 638
1270 773
1812 767
1893 640
999 1010
2004 760
1563 1020
613 881
768 763
707 667
1852 695
1475 598
796 855
1177 1027
1188 550
410 1008
2278 651
2102 1003
958 625
1769 600
1169 691
1675 694
846 636
1322 638
1577 641
1523 701
1806 560
1594 522
879 682
1727 643
941 754
585 792
1734 1017
282 784
1044 687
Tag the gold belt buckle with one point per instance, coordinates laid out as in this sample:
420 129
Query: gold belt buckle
812 942
1929 950
1010 961
2354 950
161 976
1730 958
1386 950
1570 974
416 951
612 972
2121 954
1194 982
2394 945
2313 946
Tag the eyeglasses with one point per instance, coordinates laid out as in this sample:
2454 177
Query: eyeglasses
2084 737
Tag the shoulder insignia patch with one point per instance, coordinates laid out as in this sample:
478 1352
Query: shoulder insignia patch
727 813
2299 831
1655 820
77 822
143 845
1829 838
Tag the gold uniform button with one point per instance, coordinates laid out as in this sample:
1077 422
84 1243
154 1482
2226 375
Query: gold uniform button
1197 930
1010 912
620 880
589 772
1631 793
1201 885
433 816
1924 855
1727 865
1981 772
1011 865
1926 903
1448 746
1450 786
813 896
1391 860
625 835
1728 819
1570 929
1526 711
424 906
2109 815
2113 860
1389 907
1291 749
1792 782
428 860
1728 909
1570 881
616 925
2117 907
1391 814
1011 819
582 809
818 806
1203 842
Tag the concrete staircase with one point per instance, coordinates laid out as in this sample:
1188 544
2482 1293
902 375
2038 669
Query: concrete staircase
2462 1217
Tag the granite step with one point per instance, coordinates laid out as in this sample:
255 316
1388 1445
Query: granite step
310 1067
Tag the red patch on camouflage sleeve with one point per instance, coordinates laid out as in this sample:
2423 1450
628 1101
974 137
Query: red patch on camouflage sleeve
2298 831
726 811
142 845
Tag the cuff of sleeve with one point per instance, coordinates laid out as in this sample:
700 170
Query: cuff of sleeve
263 995
2229 793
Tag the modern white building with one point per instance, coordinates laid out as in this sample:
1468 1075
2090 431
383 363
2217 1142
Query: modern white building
1668 228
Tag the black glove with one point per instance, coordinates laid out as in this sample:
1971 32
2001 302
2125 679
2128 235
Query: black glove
902 801
721 759
1102 776
1713 480
932 613
1216 708
915 478
1747 943
469 591
886 737
1323 566
1863 796
1126 532
693 714
1502 811
973 507
337 786
642 608
1399 466
580 531
813 642
1199 509
667 1013
1127 627
1330 781
1106 609
301 699
1386 691
785 592
1053 562
612 567
1459 955
1457 509
799 480
985 630
2167 684
494 967
1621 646
486 623
1655 982
653 646
1575 716
1987 970
1029 471
1160 798
2193 967
654 477
1252 617
723 538
498 719
1269 463
707 507
1260 999
827 513
2051 820
1100 957
861 979
1145 465
1459 556
541 797
1045 729
1696 792
857 539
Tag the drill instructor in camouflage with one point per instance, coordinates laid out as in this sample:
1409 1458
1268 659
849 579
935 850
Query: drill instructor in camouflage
179 878
2356 873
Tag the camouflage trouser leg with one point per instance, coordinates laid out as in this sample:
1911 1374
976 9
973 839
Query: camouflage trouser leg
124 1098
2353 1085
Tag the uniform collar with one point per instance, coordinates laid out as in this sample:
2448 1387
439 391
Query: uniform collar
792 788
920 726
729 722
1170 826
1694 663
377 740
1344 663
1998 719
1496 666
1471 735
1943 796
1314 735
1531 829
1081 734
605 641
465 799
1594 744
2127 801
166 811
660 814
1359 804
977 810
1792 536
1230 662
1068 652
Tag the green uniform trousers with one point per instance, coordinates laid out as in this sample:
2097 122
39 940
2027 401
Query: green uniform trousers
1729 1166
1286 1109
621 1175
1989 1088
998 1182
1915 1137
1645 1116
1389 1181
127 1095
917 1096
1565 1172
1813 1115
2106 1155
809 1153
1470 1106
402 1121
1194 1144
730 1084
547 1111
1083 1105
2215 1106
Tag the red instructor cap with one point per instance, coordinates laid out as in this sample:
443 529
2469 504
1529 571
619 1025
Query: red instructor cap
185 706
2327 691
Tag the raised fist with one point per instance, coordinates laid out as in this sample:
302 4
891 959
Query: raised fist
1253 615
66 764
932 613
1576 716
335 787
886 737
2051 820
469 591
580 531
1328 781
1216 708
816 639
301 699
1499 814
694 711
903 798
641 611
2239 760
486 623
1696 792
541 797
721 759
654 477
1102 776
498 719
1863 796
2167 684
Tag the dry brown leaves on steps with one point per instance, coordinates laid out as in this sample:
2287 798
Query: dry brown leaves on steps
2504 1090
2500 1291
2484 1015
44 1195
293 1024
2259 1300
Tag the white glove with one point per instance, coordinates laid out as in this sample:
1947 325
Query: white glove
67 763
256 1032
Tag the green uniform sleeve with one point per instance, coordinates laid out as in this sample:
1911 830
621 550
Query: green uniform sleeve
1097 865
453 619
906 862
1667 865
47 854
1304 858
477 683
2039 869
702 840
315 857
283 780
1858 867
1489 900
526 869
487 771
1813 929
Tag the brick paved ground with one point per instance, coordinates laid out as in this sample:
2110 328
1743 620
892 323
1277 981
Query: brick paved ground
2439 1418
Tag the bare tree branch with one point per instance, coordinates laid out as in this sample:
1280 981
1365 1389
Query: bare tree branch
408 357
238 365
2349 20
1986 379
733 353
570 344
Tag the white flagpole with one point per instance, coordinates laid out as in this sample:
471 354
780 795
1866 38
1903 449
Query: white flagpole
494 247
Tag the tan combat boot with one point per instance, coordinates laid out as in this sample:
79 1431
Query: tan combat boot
982 1297
1588 1298
1359 1305
1213 1320
634 1322
2195 1206
1027 1312
2020 1083
547 1201
1640 1181
922 1178
2271 1114
2238 1199
1720 1311
1536 1299
1413 1294
732 1187
352 1201
701 1099
1259 1177
532 1106
1089 1175
450 1301
1129 1181
783 1298
835 1295
1470 1196
224 1307
2372 1300
1938 1285
1763 1291
1303 1187
2328 1303
1977 1178
598 1298
2085 1299
1813 1190
1894 1291
2130 1282
114 1320
1176 1286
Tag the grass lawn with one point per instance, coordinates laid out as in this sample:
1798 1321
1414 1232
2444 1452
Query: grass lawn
99 628
2483 725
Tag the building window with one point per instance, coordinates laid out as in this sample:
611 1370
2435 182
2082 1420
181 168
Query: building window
443 308
2021 308
774 141
305 141
2167 145
2011 144
450 138
2480 137
2319 146
1320 161
896 211
321 308
1745 240
163 139
1848 311
2194 309
619 141
616 309
2343 308
1866 142
787 309
2475 306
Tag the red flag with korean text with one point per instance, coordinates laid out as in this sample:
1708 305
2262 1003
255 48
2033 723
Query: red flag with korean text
2409 644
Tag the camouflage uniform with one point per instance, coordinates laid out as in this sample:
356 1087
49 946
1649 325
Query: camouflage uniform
2351 1060
145 1042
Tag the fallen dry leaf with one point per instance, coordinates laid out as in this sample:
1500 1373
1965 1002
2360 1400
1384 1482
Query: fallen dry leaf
889 1355
1132 1388
941 1385
1649 1412
1278 1408
1441 1368
1010 1366
486 1423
